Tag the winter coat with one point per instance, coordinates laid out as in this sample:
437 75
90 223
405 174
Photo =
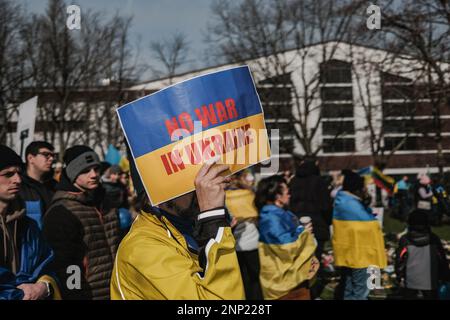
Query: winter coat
154 261
24 255
310 197
421 261
82 235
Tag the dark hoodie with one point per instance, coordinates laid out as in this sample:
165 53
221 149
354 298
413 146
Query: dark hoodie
82 233
310 197
37 197
421 259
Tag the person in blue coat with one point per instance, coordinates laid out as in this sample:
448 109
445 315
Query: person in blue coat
24 255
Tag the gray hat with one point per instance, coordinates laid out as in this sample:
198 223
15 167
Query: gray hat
78 159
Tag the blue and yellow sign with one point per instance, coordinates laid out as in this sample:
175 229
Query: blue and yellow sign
175 130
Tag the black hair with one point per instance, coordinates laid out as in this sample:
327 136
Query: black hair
268 189
33 148
419 220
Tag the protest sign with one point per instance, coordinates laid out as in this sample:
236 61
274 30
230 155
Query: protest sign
172 132
25 125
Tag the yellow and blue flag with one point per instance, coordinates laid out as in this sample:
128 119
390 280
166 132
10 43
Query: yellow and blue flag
286 252
357 237
175 130
240 203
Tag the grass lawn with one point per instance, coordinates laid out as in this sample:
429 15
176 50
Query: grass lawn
395 226
391 227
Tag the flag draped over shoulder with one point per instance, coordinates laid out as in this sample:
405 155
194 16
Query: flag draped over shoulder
240 204
357 237
381 180
286 252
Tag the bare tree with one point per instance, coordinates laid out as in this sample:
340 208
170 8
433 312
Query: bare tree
278 38
378 79
122 73
12 71
172 53
422 29
68 68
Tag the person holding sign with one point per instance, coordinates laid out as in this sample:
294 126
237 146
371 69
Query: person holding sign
159 260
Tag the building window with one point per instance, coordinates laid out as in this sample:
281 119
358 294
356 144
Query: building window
274 94
286 146
333 128
335 71
285 128
338 145
399 92
333 110
336 93
408 126
398 109
393 78
410 143
277 111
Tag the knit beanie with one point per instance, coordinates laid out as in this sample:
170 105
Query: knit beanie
9 158
78 159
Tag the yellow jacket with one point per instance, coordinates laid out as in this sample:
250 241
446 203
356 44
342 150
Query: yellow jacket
153 263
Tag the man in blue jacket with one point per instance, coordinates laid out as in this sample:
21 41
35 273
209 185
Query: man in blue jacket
24 256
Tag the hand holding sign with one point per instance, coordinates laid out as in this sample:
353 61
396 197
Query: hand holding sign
210 186
172 132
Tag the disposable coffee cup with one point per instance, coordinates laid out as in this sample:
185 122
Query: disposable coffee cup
305 220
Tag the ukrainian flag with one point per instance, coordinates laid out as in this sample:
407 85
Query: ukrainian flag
286 252
240 203
357 237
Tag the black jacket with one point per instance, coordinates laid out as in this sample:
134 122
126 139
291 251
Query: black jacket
310 197
115 195
438 263
37 197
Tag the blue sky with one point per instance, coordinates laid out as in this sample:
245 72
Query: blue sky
153 20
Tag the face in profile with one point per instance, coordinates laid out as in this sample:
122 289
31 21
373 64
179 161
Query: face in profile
283 197
43 160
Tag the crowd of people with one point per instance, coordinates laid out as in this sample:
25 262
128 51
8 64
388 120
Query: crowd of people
83 230
424 194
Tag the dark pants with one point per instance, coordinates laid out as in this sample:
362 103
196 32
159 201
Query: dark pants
317 288
403 205
249 265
